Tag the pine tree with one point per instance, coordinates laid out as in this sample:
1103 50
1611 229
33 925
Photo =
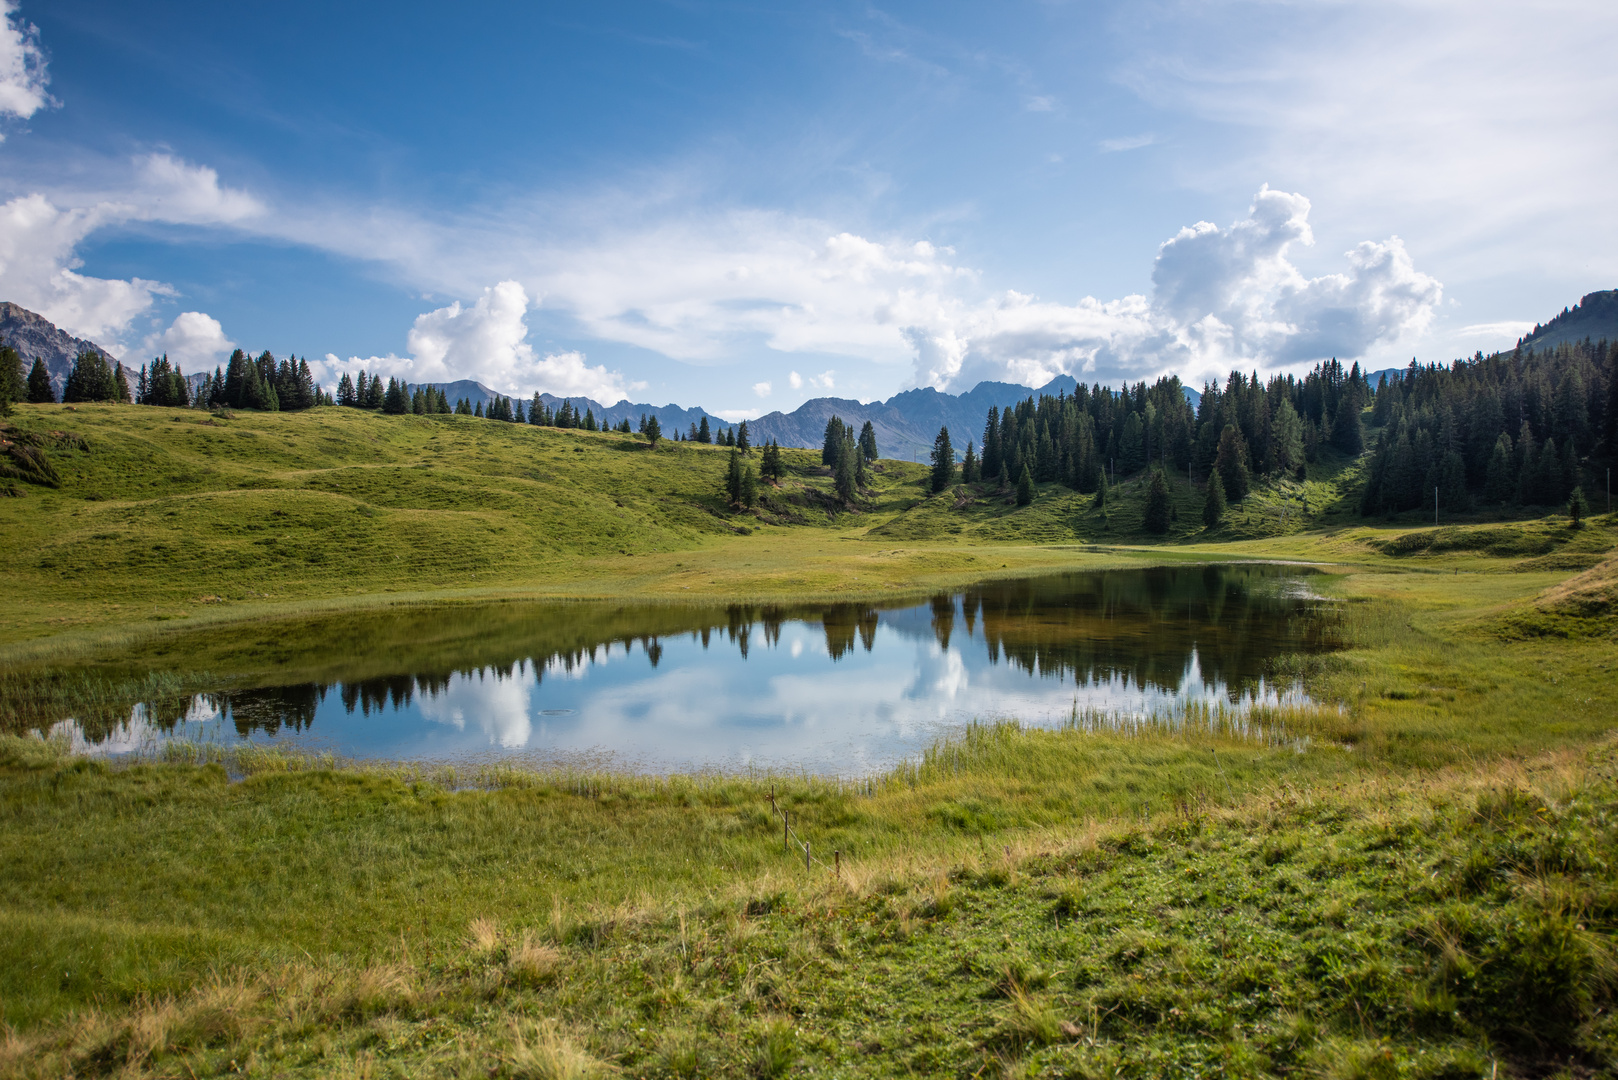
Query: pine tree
1156 519
991 445
1501 482
845 471
749 485
868 442
1025 486
832 443
654 430
1213 507
733 479
1577 507
40 391
375 393
742 442
1101 492
91 379
13 381
943 461
394 400
704 432
477 410
345 390
1231 462
770 463
970 465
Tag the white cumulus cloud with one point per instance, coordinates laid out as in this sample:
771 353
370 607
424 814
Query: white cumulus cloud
23 77
487 341
39 240
38 269
194 341
762 389
1231 294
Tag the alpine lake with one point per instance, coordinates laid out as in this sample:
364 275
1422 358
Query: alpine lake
825 689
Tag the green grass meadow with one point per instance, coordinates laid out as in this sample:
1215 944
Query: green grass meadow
1417 879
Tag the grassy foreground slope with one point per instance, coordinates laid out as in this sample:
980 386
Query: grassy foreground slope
1418 885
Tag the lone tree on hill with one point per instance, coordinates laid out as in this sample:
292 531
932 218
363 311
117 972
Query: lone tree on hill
1157 504
1577 507
40 391
943 461
654 431
1213 507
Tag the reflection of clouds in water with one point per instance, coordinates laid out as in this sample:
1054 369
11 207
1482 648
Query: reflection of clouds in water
497 705
138 732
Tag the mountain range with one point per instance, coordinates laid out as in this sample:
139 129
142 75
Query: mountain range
905 424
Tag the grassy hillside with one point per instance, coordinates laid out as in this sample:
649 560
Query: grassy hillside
165 515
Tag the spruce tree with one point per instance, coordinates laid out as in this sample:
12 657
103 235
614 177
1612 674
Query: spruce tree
733 479
749 488
1231 462
40 391
743 443
654 430
13 380
991 445
943 461
970 465
394 400
1025 486
770 462
1577 507
91 379
1213 507
1156 519
845 472
832 443
868 441
704 432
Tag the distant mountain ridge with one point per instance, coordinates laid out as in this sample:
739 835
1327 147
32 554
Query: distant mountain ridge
1595 316
36 336
905 424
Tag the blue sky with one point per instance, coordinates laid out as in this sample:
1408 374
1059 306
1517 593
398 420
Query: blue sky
742 206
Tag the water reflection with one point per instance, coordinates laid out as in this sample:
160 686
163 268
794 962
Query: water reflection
835 688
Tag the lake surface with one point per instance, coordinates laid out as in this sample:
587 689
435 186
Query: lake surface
833 689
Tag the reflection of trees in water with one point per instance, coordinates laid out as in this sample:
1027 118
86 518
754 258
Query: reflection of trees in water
1145 624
